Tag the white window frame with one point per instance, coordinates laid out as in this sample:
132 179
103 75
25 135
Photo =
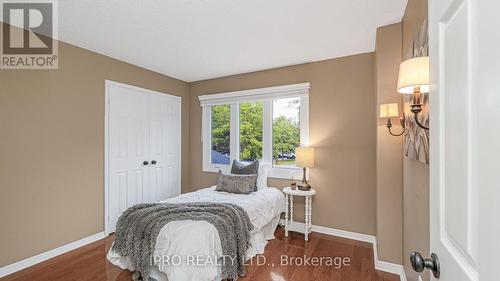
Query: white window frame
267 96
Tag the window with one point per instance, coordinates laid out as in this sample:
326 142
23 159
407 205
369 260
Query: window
220 150
262 124
251 131
286 131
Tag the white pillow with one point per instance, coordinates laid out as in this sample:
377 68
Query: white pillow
262 175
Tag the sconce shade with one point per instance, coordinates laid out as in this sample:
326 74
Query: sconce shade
389 110
304 157
414 73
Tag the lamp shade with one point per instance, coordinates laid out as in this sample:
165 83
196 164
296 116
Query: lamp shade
389 110
414 73
304 157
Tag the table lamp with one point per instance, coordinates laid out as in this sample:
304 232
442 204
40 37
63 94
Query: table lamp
304 157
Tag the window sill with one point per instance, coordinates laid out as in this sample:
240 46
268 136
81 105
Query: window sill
215 168
285 173
276 173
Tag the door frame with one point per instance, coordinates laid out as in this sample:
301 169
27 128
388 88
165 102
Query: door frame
107 85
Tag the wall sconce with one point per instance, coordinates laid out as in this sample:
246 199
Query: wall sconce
414 79
390 111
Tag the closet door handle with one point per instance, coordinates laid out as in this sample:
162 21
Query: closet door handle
153 162
145 163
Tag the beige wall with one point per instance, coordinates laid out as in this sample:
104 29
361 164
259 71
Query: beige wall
52 149
389 148
416 175
341 127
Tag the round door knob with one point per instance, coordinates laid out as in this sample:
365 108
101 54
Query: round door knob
153 162
145 163
418 263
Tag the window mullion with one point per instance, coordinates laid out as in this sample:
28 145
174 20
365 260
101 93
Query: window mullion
235 131
206 136
304 121
267 131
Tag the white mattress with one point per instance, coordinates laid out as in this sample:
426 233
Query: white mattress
201 239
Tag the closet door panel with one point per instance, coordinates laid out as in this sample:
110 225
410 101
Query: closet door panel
165 147
128 148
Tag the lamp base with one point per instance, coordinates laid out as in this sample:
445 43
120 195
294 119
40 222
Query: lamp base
304 185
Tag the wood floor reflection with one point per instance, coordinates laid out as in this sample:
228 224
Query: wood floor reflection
89 263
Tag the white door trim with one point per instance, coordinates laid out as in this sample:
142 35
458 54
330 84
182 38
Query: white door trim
109 83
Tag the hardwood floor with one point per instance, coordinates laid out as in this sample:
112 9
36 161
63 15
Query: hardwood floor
89 262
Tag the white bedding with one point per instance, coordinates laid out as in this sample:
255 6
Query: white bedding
199 238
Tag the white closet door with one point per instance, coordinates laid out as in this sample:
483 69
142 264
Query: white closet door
128 148
144 148
165 149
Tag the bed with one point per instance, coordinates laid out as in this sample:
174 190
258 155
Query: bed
201 239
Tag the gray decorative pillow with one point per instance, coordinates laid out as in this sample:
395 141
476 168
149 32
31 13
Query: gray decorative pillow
239 184
239 168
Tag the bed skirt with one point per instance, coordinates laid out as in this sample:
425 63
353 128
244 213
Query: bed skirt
258 240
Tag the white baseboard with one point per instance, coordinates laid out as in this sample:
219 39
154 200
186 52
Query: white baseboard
20 265
344 234
387 266
379 265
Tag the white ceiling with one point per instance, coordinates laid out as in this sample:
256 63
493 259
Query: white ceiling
199 39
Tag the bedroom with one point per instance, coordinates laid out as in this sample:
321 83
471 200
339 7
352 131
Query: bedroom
326 79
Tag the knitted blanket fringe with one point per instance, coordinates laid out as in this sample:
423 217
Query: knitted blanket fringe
139 226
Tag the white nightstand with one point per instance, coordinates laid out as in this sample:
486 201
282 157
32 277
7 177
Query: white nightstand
289 223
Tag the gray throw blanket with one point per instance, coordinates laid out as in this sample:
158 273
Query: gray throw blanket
138 227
